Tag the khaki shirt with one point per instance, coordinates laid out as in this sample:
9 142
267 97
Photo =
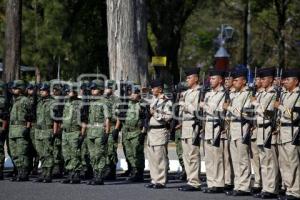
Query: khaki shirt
288 101
213 110
162 115
263 105
239 102
189 105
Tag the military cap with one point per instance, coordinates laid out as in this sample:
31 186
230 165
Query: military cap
239 73
264 72
192 71
215 72
19 84
290 73
156 83
228 73
97 84
45 86
111 84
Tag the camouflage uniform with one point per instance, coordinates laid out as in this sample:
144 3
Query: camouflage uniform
96 137
44 137
70 139
19 133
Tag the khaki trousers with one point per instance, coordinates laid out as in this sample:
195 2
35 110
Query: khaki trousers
241 165
192 162
269 169
158 163
214 165
288 157
255 164
228 168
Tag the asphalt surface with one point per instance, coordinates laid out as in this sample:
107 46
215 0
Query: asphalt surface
115 190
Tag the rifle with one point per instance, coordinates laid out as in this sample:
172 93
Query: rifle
221 118
268 140
198 123
251 114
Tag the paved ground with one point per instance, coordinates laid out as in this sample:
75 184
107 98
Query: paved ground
117 190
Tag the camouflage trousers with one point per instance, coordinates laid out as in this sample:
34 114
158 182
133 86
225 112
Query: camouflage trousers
58 160
85 157
134 146
112 155
98 153
71 152
44 148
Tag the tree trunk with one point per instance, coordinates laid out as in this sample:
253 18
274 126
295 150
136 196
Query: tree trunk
127 40
12 53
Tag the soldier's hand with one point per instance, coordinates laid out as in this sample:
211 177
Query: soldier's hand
152 111
104 139
202 104
225 106
276 104
253 99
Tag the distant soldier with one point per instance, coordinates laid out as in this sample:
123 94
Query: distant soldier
288 142
112 155
98 131
19 135
134 135
45 133
228 167
254 152
239 127
191 153
72 138
213 108
264 107
158 135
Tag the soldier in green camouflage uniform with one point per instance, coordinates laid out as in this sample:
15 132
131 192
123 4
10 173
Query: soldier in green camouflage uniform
31 91
98 131
71 137
133 130
86 169
112 155
58 95
44 133
4 117
19 128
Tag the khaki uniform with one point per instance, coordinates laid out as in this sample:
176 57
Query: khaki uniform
214 162
239 151
254 155
288 158
191 153
157 139
268 157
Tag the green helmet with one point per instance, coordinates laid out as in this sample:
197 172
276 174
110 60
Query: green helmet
19 84
97 84
111 84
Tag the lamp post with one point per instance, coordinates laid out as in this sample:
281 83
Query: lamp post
222 56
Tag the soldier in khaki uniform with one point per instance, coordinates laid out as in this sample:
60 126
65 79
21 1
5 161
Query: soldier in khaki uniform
228 168
264 105
191 153
289 161
238 130
157 136
254 154
213 108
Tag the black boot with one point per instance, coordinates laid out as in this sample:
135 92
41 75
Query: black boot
75 178
48 176
137 175
57 171
97 180
68 179
182 175
23 175
1 173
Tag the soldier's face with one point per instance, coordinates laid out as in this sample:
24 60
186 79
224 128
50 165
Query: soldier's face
95 92
290 83
156 91
30 91
239 83
44 93
108 91
192 80
258 82
228 82
215 81
266 81
16 91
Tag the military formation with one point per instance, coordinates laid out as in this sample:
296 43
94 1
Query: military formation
72 130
